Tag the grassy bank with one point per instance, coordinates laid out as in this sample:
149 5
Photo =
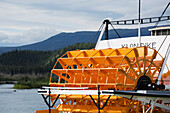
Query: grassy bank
26 81
29 85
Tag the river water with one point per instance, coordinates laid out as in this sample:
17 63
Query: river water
21 101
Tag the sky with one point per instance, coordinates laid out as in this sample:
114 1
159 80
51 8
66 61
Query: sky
24 22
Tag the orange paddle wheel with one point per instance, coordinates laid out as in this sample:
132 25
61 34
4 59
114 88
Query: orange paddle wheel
107 69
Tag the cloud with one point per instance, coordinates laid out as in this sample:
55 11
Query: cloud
27 20
3 36
28 37
35 35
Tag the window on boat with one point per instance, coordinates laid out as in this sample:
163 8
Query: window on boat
158 32
164 32
153 33
168 31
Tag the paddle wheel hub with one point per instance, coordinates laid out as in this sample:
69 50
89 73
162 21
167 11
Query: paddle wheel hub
143 83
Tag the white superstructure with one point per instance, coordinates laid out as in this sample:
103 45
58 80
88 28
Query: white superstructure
159 31
150 41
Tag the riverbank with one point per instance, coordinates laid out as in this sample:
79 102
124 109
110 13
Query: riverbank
25 81
8 82
29 85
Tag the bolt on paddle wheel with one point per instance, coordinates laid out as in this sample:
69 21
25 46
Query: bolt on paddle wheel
107 69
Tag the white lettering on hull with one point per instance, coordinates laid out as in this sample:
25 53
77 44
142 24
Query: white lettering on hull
149 44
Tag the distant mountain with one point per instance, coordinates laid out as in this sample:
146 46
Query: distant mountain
65 39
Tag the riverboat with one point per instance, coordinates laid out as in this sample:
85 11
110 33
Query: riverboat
124 75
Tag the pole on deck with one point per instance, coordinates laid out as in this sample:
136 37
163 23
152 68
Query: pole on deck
107 22
139 26
98 99
49 101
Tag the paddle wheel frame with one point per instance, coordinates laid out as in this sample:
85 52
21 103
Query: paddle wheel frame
86 73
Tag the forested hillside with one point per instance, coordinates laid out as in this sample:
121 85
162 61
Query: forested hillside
31 69
34 62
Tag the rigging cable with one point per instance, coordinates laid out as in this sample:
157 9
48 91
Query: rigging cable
162 14
163 63
101 27
115 30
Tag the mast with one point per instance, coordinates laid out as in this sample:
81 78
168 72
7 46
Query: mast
139 26
107 22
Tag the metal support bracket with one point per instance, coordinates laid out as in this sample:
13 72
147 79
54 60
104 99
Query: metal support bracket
98 104
48 103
